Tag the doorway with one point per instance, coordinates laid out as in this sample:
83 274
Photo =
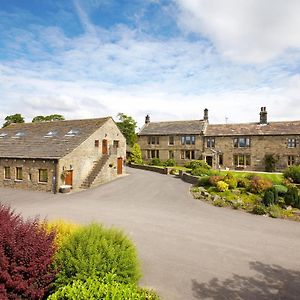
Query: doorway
120 166
69 178
209 160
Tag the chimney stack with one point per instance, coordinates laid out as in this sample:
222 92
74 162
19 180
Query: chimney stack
263 116
147 119
205 117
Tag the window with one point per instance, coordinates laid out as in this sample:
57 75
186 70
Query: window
154 140
171 140
241 160
51 134
211 143
291 160
241 142
171 154
72 132
220 159
188 140
152 154
291 143
19 173
2 135
97 143
116 144
187 154
43 175
7 173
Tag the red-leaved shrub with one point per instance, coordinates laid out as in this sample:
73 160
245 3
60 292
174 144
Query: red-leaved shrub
213 180
259 184
26 255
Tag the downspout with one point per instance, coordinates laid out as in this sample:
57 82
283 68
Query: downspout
55 179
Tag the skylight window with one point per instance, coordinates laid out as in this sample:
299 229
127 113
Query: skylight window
51 134
72 132
2 135
19 134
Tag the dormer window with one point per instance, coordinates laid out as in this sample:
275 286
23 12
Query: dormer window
72 132
51 134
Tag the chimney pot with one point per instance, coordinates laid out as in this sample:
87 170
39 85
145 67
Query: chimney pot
205 117
263 116
147 119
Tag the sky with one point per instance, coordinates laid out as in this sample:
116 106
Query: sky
170 59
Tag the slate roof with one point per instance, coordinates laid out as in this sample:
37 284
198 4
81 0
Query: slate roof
272 128
173 127
32 142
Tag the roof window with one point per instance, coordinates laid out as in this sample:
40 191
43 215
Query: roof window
72 132
51 134
19 134
2 135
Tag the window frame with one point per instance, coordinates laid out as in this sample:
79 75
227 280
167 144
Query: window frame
190 138
291 160
171 154
19 171
40 176
211 142
171 137
292 143
241 142
242 160
5 173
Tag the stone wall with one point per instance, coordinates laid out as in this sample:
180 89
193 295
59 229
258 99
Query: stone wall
260 146
188 177
82 159
150 168
164 147
30 171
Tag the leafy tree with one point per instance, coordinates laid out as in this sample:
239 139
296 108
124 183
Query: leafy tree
50 118
136 154
16 118
127 125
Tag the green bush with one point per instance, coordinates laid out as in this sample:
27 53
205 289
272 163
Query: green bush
204 181
222 186
193 164
292 173
270 162
136 155
156 162
268 198
200 171
231 181
96 251
92 288
292 197
274 211
281 189
244 182
169 162
213 180
259 184
259 209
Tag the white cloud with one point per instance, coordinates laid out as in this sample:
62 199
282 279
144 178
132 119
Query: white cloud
250 31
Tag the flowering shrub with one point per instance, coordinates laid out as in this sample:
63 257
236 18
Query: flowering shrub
222 186
213 180
259 184
244 182
232 182
193 164
293 174
26 253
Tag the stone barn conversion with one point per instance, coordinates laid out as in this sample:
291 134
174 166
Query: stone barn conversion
247 146
49 156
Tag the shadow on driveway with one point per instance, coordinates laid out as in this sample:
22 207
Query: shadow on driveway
270 282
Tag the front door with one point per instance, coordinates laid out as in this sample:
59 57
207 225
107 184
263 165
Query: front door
120 166
69 178
104 147
209 160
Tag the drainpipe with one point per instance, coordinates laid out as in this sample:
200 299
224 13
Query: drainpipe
55 179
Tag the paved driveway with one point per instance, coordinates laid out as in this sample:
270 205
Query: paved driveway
189 249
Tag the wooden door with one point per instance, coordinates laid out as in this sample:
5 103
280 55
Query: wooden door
104 147
69 178
120 166
209 160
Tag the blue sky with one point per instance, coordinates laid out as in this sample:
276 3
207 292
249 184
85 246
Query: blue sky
170 59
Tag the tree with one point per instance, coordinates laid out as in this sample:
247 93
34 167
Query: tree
50 118
16 118
127 125
136 154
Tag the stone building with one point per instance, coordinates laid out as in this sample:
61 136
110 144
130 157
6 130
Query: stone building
48 155
234 146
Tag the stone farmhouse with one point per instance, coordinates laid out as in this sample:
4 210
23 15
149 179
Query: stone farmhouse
233 146
48 156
